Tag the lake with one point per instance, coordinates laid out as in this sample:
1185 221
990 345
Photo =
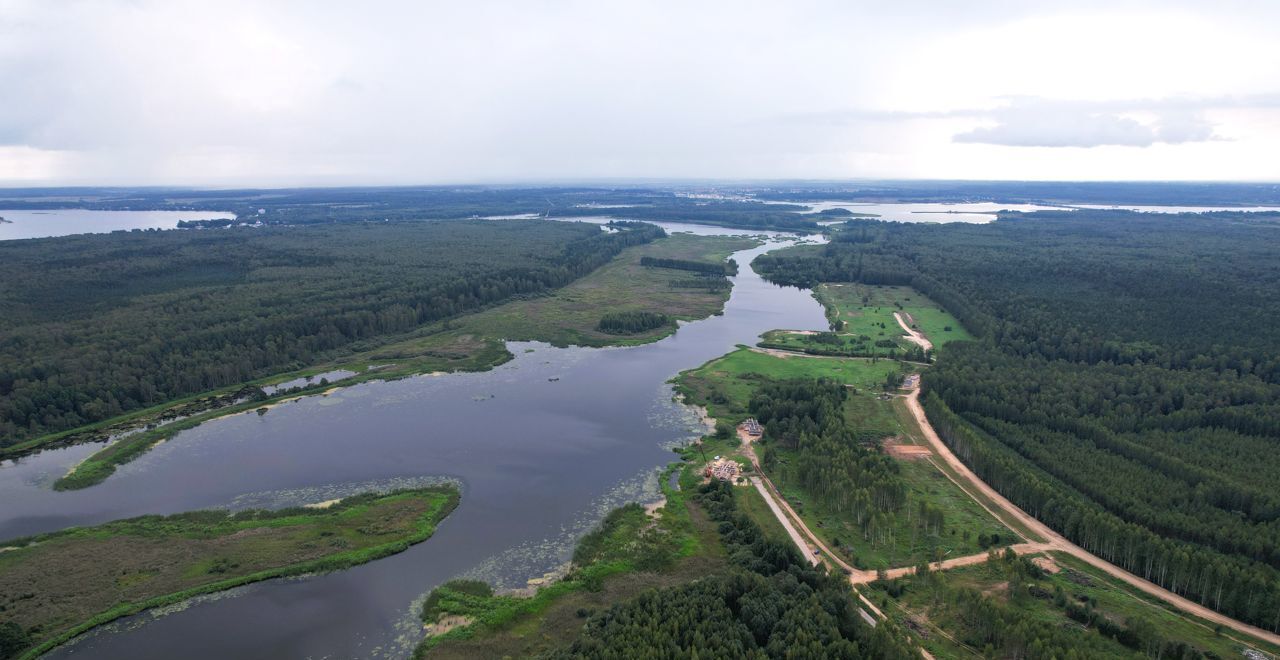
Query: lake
981 212
973 212
65 222
539 463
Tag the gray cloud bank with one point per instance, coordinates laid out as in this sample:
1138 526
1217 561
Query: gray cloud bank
1041 123
394 91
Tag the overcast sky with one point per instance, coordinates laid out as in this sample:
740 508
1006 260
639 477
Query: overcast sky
281 93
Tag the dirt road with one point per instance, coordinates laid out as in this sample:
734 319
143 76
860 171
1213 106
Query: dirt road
805 539
1058 543
957 562
912 335
786 524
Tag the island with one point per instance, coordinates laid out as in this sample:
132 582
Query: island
127 566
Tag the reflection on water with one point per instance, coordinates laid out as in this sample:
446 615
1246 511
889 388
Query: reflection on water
318 379
539 462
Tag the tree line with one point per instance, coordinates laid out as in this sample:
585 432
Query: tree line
632 322
729 268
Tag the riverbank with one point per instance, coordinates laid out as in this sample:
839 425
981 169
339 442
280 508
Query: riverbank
57 586
475 342
634 548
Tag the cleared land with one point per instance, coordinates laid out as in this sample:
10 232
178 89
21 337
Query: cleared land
867 309
55 586
725 386
1044 597
968 529
886 321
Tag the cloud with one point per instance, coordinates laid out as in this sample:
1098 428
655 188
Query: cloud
1048 123
288 92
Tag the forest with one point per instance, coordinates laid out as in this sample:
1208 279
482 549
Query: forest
832 459
94 326
1124 386
702 267
633 322
305 206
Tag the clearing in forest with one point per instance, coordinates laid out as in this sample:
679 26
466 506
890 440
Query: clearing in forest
862 317
725 386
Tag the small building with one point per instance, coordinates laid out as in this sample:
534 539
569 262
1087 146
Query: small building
752 427
723 469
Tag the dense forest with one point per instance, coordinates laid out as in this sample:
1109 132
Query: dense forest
93 326
1125 386
770 604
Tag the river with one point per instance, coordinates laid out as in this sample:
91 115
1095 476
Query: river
540 461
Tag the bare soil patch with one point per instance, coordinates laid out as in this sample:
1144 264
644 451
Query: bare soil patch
897 449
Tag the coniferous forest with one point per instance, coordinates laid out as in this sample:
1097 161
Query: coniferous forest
1125 384
94 326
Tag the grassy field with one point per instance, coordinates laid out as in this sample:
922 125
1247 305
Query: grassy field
921 609
471 343
725 384
569 316
58 585
868 311
861 305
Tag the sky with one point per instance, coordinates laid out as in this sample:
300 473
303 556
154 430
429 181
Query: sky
272 93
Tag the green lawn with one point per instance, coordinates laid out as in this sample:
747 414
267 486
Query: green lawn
726 384
868 310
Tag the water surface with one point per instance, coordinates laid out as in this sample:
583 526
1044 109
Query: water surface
64 222
539 462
